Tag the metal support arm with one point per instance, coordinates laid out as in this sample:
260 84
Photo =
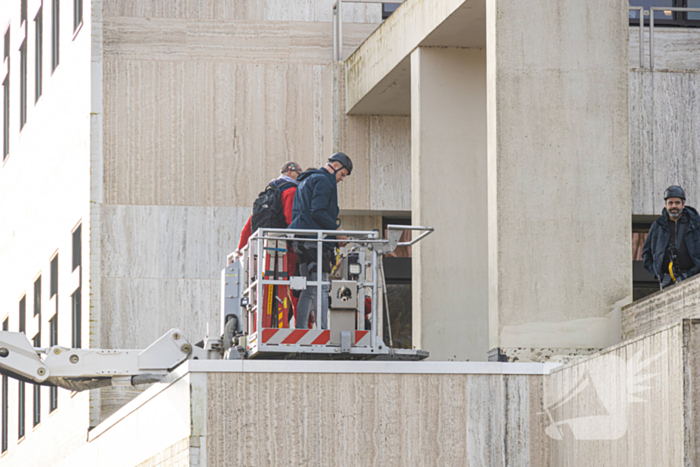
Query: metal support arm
80 369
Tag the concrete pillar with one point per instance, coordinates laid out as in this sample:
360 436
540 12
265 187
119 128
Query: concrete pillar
558 173
448 167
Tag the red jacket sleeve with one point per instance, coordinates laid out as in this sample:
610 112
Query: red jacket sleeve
288 203
245 233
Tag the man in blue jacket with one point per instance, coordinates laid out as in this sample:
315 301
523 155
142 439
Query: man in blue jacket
672 248
316 208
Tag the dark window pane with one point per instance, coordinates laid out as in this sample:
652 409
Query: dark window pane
77 13
39 33
37 389
693 4
388 9
54 277
37 405
77 317
400 309
646 4
77 247
37 297
23 11
23 84
53 331
5 406
6 101
55 33
21 407
23 314
53 340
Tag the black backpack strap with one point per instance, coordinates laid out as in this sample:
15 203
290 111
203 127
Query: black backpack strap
680 234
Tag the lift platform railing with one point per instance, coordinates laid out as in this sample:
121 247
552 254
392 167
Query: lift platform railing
357 267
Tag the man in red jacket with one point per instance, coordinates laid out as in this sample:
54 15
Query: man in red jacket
288 178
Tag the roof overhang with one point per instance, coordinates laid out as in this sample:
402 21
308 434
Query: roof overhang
379 72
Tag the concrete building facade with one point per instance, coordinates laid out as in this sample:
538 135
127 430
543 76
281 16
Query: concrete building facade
527 135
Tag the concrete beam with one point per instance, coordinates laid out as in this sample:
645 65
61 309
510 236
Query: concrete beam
378 72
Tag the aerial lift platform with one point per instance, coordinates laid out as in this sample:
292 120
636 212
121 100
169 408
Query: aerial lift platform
256 321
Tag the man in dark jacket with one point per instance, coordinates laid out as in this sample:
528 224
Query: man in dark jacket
316 208
672 248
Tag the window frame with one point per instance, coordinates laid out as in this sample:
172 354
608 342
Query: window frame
680 18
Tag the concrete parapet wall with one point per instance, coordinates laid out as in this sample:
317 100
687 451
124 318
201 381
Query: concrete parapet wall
674 48
661 309
374 419
632 404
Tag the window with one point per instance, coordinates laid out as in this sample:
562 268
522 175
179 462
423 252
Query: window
76 247
55 33
53 340
77 14
6 101
54 277
37 388
693 16
397 270
643 282
23 314
23 12
39 34
37 297
667 17
77 316
388 9
23 84
21 406
5 406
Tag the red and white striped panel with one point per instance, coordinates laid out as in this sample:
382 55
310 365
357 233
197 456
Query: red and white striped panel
307 337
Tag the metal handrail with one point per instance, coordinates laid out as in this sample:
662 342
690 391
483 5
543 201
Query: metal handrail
651 26
338 24
426 231
642 12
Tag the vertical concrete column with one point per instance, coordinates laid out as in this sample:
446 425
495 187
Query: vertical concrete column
448 173
558 174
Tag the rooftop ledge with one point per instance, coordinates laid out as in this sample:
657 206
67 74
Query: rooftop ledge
379 71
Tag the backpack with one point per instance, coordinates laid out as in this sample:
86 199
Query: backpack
268 211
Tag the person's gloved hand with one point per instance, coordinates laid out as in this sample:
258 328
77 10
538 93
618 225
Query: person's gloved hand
684 276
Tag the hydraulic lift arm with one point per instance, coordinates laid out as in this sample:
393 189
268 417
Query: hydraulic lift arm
80 369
